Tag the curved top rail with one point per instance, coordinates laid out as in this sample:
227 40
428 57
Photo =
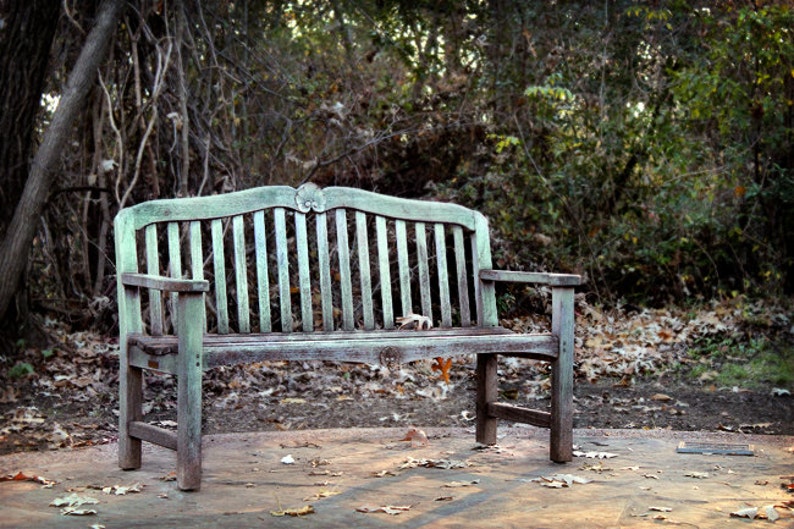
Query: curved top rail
308 197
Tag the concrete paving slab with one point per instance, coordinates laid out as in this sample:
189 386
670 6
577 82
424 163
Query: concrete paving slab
450 483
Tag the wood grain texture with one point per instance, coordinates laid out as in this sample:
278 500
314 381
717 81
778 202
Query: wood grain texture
189 374
174 264
164 283
562 327
531 277
462 276
345 279
324 269
153 268
219 276
240 274
443 274
362 240
304 272
262 275
282 260
404 270
384 271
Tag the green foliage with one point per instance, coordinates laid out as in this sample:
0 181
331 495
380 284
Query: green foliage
20 370
645 145
655 159
731 361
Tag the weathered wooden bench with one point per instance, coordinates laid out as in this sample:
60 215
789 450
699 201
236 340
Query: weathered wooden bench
276 273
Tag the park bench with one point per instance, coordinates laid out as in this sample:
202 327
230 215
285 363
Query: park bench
277 274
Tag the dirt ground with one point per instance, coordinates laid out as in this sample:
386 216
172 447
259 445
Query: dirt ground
302 396
654 369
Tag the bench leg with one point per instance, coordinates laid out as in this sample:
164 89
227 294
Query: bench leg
487 392
188 452
130 409
561 436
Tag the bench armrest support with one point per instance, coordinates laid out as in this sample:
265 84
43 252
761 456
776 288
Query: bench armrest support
168 284
554 280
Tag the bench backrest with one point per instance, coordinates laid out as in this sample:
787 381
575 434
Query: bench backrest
281 259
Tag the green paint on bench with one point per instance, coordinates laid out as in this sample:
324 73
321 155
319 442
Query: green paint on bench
276 273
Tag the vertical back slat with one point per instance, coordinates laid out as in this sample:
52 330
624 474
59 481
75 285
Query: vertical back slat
304 281
174 265
364 268
219 269
443 276
197 259
153 268
463 281
262 279
324 264
403 267
424 270
385 272
484 291
241 274
343 249
282 257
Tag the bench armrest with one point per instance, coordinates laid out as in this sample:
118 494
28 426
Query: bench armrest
168 284
554 280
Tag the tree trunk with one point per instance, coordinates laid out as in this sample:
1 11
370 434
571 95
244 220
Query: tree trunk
15 248
26 32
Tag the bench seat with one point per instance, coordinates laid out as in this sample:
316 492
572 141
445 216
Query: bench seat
370 347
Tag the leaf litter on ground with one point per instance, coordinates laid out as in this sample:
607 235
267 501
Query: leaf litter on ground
79 370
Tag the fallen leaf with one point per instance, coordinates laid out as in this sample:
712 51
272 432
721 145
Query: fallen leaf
417 437
749 512
661 397
73 500
20 476
444 464
293 400
756 426
415 321
558 481
303 511
595 467
455 484
444 366
388 509
77 511
594 455
118 490
771 513
323 494
319 462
